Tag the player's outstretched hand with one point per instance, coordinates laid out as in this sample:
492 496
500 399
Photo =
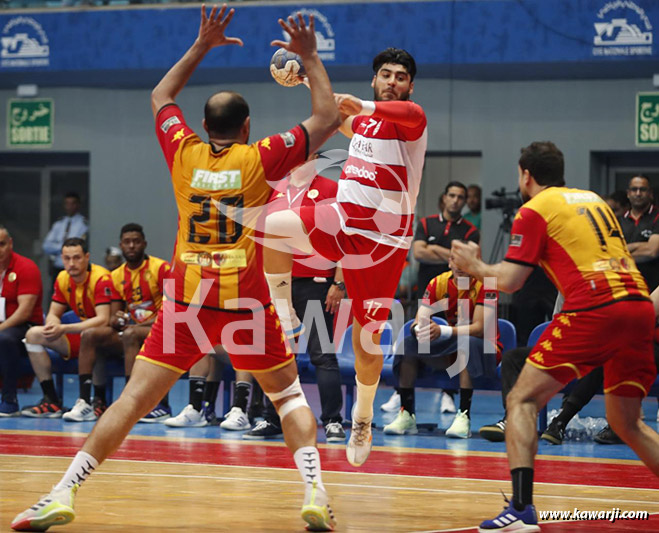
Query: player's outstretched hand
348 104
465 255
303 37
213 26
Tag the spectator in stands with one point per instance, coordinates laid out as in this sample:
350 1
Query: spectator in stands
73 224
618 202
86 289
431 248
474 193
204 384
113 258
21 293
139 285
444 349
317 291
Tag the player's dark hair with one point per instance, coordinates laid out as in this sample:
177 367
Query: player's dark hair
76 241
397 56
225 113
619 197
132 226
455 184
545 163
474 186
74 195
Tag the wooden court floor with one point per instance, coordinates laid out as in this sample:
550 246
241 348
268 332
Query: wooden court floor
150 496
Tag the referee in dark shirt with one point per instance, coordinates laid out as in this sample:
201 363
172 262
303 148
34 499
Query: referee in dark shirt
640 226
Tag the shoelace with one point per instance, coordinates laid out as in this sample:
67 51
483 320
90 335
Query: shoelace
261 425
359 430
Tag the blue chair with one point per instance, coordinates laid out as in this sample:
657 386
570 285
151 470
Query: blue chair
346 358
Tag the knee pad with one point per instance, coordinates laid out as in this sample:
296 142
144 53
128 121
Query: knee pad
296 398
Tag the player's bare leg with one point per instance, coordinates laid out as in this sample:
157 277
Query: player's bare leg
132 339
368 366
299 426
623 414
284 233
141 394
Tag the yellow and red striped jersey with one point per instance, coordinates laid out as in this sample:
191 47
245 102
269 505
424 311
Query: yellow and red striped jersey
97 289
141 288
575 237
219 195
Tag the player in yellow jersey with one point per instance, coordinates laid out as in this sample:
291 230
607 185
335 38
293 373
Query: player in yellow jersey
607 318
218 294
139 285
85 288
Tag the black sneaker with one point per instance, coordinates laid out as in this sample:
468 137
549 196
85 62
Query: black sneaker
99 406
211 418
44 409
555 433
607 436
334 432
494 432
263 430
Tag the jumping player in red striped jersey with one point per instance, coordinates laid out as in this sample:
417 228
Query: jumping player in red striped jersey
607 318
368 229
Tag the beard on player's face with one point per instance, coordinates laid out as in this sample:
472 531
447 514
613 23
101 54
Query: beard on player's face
388 94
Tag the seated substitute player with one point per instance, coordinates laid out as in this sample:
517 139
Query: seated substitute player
139 284
369 228
443 345
85 288
21 293
218 294
574 236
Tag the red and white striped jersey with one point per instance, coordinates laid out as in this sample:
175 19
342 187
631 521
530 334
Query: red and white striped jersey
381 178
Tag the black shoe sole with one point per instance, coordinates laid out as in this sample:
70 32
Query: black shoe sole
493 435
552 439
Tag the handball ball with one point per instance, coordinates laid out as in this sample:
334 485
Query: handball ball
286 68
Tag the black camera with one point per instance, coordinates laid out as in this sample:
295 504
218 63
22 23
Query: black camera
508 201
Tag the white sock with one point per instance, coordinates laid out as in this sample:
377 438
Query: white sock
307 460
280 286
364 402
80 469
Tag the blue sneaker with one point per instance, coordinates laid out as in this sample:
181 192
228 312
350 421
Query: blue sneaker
158 414
8 409
510 519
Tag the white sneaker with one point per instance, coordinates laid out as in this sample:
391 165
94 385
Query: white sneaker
55 509
403 424
447 403
316 511
81 412
188 418
392 405
236 420
360 443
461 426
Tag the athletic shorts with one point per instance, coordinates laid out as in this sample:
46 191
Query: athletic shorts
371 271
254 341
618 337
73 340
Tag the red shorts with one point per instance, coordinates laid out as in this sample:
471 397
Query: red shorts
254 341
618 337
371 271
73 340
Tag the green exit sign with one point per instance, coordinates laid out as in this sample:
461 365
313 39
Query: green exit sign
30 123
647 119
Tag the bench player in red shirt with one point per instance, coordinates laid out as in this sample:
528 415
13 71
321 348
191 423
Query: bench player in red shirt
607 318
217 293
370 226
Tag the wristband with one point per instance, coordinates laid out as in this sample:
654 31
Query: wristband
445 332
340 284
368 107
